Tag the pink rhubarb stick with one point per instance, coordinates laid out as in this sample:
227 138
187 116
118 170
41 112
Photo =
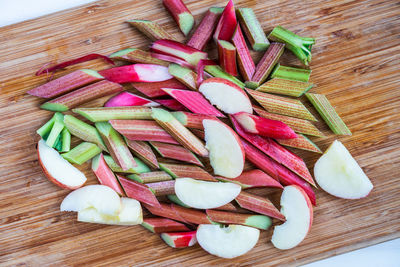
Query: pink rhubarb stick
227 23
253 178
172 104
128 99
162 225
191 120
154 89
176 152
181 14
105 175
244 59
227 57
136 73
138 191
179 239
143 151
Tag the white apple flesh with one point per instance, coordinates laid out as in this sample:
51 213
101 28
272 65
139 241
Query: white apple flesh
205 195
227 242
337 172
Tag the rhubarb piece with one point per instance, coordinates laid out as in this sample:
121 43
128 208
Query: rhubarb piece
162 225
172 104
141 168
162 188
171 59
57 169
179 132
150 177
300 142
154 89
82 153
136 73
256 221
205 29
143 151
252 29
179 170
135 55
227 57
199 133
138 191
114 113
226 95
253 178
174 199
298 125
165 210
82 95
191 120
151 29
227 207
66 140
276 152
73 62
282 105
105 175
226 24
328 113
184 75
142 130
264 127
194 101
66 83
181 14
300 46
200 70
54 134
217 71
285 87
58 145
179 50
266 64
126 99
244 59
290 73
259 204
191 215
45 130
181 239
84 131
176 152
116 146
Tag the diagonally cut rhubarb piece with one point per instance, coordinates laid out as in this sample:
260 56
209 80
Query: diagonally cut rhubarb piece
180 171
154 89
161 225
227 57
253 178
199 133
184 75
244 59
66 83
205 29
114 113
45 129
164 210
82 153
191 120
138 191
150 177
180 239
172 104
181 14
82 95
252 29
151 29
142 130
291 73
266 64
176 152
54 135
179 132
227 207
171 59
135 55
105 175
65 140
226 24
162 188
200 70
143 151
257 221
115 167
285 87
191 215
300 142
126 99
218 72
136 73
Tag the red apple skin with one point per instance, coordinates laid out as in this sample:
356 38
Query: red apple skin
310 206
226 82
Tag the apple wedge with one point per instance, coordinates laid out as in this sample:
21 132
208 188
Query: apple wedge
297 208
130 214
225 149
99 197
337 172
205 195
226 95
57 169
227 242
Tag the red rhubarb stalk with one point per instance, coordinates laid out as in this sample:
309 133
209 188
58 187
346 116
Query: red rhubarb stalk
138 191
171 59
253 178
227 207
136 73
227 57
143 151
181 14
105 175
244 59
199 133
180 239
227 23
200 69
252 220
154 89
164 210
180 171
184 75
151 29
137 56
150 177
128 99
162 188
176 152
172 104
162 225
191 120
191 215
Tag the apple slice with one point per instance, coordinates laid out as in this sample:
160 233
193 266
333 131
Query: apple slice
297 208
227 242
205 195
226 95
130 214
57 169
100 197
337 172
225 149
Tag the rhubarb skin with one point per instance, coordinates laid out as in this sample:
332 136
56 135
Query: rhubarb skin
301 142
227 207
176 152
244 59
150 177
66 84
172 104
252 29
136 73
162 188
114 113
154 89
191 120
290 73
141 168
218 72
264 127
135 55
199 133
105 175
204 31
162 225
143 151
82 153
184 75
164 210
194 101
252 179
82 95
226 24
151 29
257 221
180 239
227 57
126 99
138 191
181 14
285 87
191 215
180 171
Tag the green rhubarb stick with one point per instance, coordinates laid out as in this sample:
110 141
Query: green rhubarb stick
137 56
44 131
217 71
285 87
141 167
151 29
300 46
298 125
184 75
84 131
58 143
282 105
328 113
115 113
82 153
56 129
150 177
66 140
300 142
116 146
143 151
290 73
252 29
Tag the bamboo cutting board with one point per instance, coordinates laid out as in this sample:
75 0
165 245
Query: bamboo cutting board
355 63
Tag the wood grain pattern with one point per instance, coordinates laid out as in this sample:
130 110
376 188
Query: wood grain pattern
355 63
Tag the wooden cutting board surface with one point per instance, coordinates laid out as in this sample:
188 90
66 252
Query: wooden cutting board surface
355 63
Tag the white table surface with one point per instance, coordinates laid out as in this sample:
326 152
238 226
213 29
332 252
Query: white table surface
386 254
